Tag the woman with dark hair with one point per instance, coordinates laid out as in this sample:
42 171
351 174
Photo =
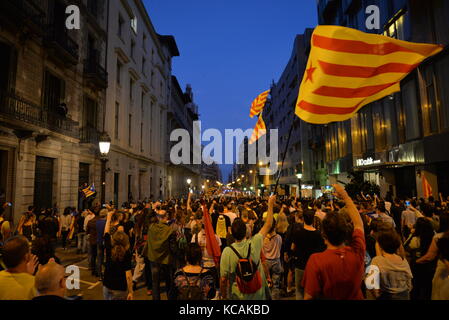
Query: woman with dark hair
27 224
65 223
117 281
193 282
417 246
432 252
440 283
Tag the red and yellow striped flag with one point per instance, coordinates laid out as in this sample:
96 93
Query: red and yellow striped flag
259 130
348 69
258 104
427 188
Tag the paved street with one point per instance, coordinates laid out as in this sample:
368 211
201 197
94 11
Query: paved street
91 287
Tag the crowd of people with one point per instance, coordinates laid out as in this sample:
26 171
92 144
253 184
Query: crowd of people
239 248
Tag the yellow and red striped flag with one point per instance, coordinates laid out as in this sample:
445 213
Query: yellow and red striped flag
89 191
348 69
258 104
259 130
427 188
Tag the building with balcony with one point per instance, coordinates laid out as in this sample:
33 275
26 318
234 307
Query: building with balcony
396 140
138 98
182 112
49 109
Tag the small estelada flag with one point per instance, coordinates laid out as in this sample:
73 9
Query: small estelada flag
258 104
348 69
259 130
89 191
427 188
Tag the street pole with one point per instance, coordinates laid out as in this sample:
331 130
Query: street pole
103 180
299 189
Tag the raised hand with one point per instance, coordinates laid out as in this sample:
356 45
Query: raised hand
32 264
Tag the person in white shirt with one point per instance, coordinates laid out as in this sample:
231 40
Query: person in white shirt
229 213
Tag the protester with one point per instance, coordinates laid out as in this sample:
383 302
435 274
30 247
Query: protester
305 242
91 231
65 223
194 282
27 224
17 281
337 272
440 284
395 273
417 246
272 251
244 287
50 282
5 227
161 244
221 224
117 280
100 225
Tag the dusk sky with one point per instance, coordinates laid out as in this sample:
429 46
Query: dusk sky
231 51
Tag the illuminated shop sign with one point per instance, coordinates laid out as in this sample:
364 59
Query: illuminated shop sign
306 187
366 162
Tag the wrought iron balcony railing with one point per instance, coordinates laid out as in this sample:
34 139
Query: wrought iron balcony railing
93 70
14 107
89 134
60 37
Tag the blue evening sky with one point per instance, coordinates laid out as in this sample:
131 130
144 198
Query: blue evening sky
231 51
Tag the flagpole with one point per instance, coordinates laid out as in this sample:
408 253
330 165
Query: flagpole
285 154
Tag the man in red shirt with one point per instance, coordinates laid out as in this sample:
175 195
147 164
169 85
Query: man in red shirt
337 273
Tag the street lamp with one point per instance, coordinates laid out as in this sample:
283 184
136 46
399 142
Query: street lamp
104 145
189 181
299 176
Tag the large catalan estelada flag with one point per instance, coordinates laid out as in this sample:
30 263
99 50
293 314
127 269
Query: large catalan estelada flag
427 188
258 104
259 130
348 69
89 191
212 247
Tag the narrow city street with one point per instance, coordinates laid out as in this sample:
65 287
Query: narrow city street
91 288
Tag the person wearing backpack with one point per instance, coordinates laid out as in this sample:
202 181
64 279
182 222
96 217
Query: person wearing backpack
221 224
194 282
241 271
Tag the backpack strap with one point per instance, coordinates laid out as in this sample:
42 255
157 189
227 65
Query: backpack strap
235 251
187 278
249 251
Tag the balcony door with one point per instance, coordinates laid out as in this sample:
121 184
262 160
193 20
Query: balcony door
8 67
54 91
58 16
43 182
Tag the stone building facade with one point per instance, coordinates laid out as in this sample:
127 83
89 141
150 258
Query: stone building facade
138 97
52 80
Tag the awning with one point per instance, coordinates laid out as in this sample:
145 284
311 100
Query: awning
386 165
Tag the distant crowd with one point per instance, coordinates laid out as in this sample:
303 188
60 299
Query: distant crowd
239 248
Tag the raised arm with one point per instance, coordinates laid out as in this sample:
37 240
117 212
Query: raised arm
188 201
269 221
352 209
108 222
